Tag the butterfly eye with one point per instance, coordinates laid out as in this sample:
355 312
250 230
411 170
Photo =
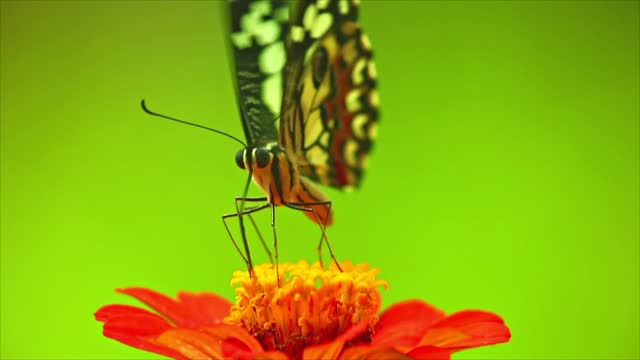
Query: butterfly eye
263 157
240 158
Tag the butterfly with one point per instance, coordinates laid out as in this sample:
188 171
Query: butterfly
305 84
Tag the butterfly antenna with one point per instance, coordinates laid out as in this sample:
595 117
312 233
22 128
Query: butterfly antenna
146 109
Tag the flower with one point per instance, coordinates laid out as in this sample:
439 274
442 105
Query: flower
304 312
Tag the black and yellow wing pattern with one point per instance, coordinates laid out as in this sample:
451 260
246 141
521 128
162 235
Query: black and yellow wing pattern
330 107
306 89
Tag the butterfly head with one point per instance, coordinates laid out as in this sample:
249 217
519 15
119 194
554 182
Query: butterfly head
252 158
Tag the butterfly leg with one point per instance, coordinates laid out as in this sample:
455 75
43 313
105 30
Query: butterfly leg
324 237
264 244
253 223
239 214
305 207
273 228
275 240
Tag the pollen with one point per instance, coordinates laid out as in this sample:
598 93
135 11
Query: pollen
306 304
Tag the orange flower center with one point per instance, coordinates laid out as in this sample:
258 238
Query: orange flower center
307 305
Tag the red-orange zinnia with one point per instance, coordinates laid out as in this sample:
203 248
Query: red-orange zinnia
308 313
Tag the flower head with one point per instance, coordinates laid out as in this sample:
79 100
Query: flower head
307 312
306 305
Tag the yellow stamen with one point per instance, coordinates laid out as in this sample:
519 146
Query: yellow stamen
308 305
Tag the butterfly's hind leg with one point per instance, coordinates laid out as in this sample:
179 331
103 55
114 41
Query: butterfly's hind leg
246 256
326 239
305 207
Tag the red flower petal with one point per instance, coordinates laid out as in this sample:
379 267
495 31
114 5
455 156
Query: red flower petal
190 310
366 352
466 329
204 309
146 325
465 317
161 303
145 344
235 341
192 344
403 324
328 351
273 355
333 349
135 327
198 316
116 310
235 349
430 353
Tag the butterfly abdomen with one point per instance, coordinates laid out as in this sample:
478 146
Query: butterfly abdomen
309 193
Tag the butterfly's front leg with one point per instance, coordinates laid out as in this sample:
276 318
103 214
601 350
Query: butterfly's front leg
239 214
239 201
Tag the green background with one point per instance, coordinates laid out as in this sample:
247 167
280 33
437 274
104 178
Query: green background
505 177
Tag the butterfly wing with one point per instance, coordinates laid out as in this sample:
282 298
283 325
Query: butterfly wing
257 33
330 104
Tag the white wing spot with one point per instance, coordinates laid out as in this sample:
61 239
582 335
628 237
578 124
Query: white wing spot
297 33
272 58
366 43
352 100
356 73
249 22
267 32
343 7
321 24
241 40
349 152
272 92
260 7
358 124
309 16
322 4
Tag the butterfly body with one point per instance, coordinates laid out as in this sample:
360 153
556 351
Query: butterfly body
279 178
